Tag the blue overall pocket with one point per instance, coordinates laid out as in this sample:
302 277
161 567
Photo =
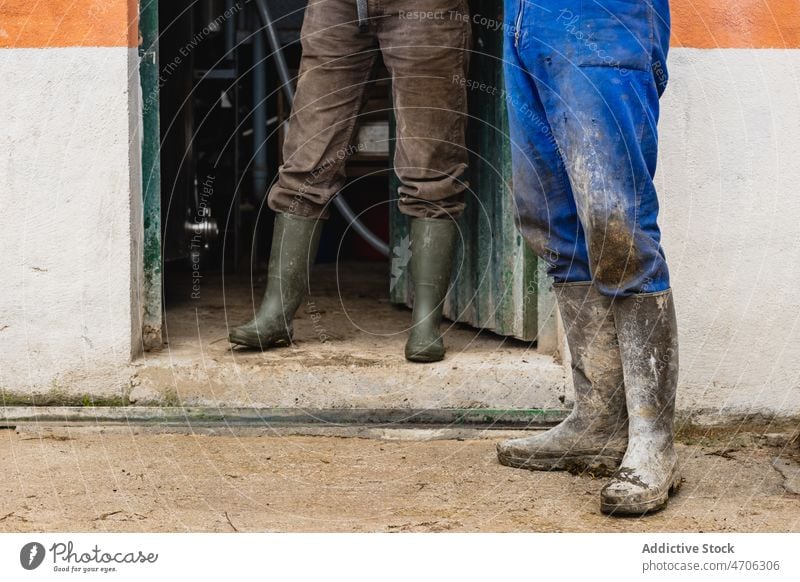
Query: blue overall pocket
612 33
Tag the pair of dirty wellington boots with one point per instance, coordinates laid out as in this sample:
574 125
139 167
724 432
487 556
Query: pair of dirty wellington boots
625 364
295 242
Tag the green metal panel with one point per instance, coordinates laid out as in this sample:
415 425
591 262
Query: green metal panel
151 173
496 283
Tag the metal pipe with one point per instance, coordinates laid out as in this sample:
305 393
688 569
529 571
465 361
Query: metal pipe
208 16
277 50
230 29
288 90
259 116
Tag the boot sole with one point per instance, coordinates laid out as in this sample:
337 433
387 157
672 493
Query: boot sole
423 358
257 343
640 508
600 464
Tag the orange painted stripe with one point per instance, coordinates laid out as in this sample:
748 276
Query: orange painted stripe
65 23
736 23
695 23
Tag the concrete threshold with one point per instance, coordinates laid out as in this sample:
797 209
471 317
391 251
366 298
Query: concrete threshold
491 374
347 353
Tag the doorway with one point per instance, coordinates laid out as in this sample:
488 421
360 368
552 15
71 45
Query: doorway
221 118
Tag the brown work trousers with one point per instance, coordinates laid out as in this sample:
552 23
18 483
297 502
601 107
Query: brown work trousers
425 45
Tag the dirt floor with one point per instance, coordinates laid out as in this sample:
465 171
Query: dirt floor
130 479
348 308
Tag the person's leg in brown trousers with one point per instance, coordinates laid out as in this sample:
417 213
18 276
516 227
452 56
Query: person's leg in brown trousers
334 73
426 58
425 45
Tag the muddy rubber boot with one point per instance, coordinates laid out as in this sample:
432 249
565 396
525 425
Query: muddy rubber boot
295 241
433 243
648 340
594 436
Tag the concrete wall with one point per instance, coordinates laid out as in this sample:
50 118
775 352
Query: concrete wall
729 176
70 224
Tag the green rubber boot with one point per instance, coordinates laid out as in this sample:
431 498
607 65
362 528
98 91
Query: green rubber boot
433 242
295 241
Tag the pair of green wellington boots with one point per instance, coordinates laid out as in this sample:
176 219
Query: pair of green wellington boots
295 241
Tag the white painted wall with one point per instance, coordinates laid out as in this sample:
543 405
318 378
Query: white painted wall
729 178
70 219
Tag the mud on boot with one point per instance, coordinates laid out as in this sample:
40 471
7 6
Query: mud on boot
644 487
648 340
593 438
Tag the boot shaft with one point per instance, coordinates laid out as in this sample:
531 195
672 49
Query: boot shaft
295 241
596 365
433 243
432 249
648 339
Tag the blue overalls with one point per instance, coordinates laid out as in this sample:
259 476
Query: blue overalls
583 79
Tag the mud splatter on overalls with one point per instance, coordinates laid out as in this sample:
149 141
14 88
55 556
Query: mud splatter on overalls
583 80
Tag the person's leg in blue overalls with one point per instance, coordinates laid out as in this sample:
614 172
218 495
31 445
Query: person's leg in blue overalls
583 81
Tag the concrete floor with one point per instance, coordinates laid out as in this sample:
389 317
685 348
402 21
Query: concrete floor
133 479
360 365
